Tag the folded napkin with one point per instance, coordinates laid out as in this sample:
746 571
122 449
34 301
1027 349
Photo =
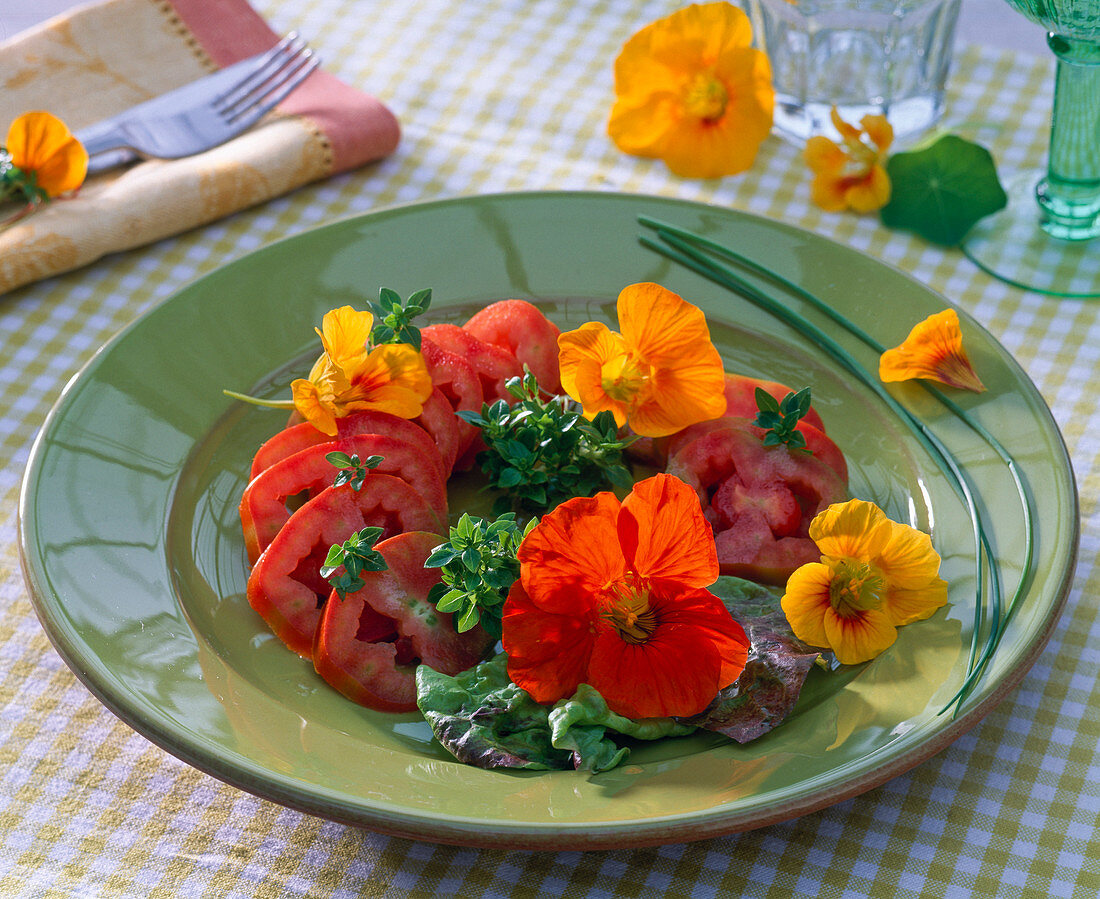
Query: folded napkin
98 60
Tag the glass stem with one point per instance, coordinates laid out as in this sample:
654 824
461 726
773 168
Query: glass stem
1069 195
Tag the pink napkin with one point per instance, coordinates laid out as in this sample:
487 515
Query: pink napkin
97 60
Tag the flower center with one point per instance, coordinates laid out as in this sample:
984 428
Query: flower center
856 587
628 610
706 97
622 378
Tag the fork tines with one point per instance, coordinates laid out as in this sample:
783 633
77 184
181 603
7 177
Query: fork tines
277 73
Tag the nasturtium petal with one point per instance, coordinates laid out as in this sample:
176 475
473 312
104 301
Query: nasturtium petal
940 192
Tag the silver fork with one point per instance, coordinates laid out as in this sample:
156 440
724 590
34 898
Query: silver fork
203 114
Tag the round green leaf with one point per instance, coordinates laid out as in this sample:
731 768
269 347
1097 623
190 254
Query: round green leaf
941 191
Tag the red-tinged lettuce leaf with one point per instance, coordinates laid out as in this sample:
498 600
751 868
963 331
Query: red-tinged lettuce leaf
483 719
941 191
765 693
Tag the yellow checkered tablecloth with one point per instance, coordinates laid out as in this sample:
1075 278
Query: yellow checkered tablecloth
501 95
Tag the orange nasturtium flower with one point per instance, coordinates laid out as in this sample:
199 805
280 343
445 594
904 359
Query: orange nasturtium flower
691 90
852 176
661 374
349 376
932 350
41 159
613 595
874 576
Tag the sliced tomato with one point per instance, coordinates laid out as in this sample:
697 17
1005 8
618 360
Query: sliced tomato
263 507
746 490
369 643
741 398
300 436
285 586
445 428
493 364
817 442
460 384
522 329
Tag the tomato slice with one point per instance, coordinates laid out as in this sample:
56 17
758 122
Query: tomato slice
285 586
369 643
460 384
746 491
263 506
492 364
300 436
523 330
445 428
741 398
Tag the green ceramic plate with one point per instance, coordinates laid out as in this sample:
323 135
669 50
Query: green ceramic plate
136 566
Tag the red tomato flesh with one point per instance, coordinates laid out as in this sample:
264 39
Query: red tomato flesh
369 643
522 329
285 586
493 364
263 506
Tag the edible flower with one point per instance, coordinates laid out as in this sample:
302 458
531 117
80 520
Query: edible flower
659 375
853 176
691 90
932 350
874 576
350 376
613 595
40 159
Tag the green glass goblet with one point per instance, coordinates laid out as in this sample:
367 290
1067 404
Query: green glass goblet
1048 237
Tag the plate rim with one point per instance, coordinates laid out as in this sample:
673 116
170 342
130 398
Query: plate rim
679 827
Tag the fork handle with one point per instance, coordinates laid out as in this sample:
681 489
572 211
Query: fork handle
106 146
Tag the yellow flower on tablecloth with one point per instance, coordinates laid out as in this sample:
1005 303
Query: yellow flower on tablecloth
853 176
659 375
46 160
349 376
691 90
875 575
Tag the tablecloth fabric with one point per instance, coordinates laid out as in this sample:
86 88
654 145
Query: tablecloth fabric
500 95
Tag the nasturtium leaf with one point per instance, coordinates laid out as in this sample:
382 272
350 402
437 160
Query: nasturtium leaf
939 192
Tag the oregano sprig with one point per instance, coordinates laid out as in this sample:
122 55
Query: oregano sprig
780 418
543 451
353 470
479 566
355 555
393 316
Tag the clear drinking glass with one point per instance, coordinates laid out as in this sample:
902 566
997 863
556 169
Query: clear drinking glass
1048 237
889 57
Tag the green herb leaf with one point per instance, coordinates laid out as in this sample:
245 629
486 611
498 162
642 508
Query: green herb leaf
780 418
479 566
941 191
352 470
356 555
393 317
542 451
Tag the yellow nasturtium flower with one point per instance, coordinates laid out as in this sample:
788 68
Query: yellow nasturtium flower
690 89
659 373
45 159
875 575
932 350
852 176
349 376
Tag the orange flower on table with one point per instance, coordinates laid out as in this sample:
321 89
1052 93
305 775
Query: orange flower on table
350 376
659 375
614 595
874 576
853 176
45 160
932 350
691 90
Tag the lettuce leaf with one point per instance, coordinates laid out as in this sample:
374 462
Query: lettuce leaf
483 719
765 693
